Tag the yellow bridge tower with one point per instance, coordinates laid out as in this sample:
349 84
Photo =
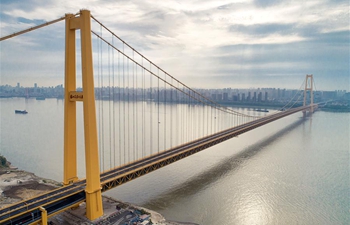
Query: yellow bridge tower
94 207
309 80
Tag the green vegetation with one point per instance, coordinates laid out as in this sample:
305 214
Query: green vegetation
142 211
3 162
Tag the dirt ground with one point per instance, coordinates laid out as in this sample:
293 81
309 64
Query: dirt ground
17 185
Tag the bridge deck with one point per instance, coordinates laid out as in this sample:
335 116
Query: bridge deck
63 198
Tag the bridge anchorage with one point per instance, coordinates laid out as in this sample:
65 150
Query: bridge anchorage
156 95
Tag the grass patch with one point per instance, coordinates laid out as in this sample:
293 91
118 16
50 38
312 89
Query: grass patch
3 162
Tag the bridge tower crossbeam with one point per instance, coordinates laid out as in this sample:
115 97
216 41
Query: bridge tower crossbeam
94 207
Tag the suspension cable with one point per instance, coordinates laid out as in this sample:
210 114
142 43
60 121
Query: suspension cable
217 105
35 27
300 88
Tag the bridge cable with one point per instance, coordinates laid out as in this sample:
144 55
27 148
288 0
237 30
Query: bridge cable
109 109
165 120
143 111
124 121
215 104
102 109
158 121
119 107
114 134
99 44
151 103
35 27
128 114
135 131
300 89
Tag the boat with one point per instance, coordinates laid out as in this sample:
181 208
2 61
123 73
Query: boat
262 110
21 111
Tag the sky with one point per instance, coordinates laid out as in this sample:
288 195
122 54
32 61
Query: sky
205 44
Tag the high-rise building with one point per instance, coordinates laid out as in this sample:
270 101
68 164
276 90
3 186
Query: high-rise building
259 97
225 96
219 97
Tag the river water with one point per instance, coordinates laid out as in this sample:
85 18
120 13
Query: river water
292 171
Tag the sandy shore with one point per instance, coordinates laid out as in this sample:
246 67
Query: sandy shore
17 185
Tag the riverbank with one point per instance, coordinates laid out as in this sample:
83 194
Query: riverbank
17 185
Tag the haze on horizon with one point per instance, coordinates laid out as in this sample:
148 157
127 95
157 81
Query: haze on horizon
205 44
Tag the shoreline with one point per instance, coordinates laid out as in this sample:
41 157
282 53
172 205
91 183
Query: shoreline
17 185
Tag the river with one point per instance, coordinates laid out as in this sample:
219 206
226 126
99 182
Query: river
292 171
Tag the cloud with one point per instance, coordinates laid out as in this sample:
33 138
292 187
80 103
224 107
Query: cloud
199 38
264 29
267 3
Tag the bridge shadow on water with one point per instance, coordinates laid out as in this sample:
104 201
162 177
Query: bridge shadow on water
204 179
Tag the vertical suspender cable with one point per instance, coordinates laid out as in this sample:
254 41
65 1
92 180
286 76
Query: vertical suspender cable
135 111
151 115
128 112
99 102
158 121
143 109
171 114
165 121
177 114
124 121
102 111
119 109
114 135
109 111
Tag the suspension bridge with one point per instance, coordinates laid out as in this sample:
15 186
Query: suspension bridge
147 119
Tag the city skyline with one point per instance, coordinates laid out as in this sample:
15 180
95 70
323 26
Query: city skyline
214 43
35 85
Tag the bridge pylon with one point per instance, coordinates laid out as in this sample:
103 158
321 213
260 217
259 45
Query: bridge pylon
309 80
94 207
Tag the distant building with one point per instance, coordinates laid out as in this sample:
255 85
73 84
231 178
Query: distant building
219 96
259 97
225 96
329 94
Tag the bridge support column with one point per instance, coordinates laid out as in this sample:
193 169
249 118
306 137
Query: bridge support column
43 215
70 133
94 207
